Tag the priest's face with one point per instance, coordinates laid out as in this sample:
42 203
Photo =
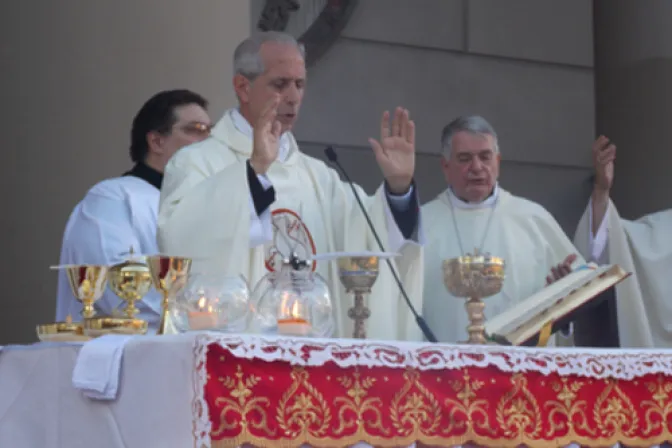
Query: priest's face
473 167
285 74
192 124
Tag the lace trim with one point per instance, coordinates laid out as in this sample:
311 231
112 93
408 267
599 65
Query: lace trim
199 407
592 363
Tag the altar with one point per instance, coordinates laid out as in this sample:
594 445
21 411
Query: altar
218 390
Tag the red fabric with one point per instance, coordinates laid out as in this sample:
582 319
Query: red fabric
277 405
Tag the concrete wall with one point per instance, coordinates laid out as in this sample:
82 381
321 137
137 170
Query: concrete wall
526 65
75 73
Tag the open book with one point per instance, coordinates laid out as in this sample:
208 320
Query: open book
554 306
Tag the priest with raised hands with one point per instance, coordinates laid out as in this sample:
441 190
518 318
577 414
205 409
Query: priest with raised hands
237 200
642 247
476 214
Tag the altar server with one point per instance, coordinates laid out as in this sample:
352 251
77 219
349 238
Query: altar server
233 201
643 247
120 213
475 213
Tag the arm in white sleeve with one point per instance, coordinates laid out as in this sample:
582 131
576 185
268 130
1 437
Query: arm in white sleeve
598 241
100 231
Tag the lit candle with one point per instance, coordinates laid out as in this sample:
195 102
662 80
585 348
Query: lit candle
291 323
204 318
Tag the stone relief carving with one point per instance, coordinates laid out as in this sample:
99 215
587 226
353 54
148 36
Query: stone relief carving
315 23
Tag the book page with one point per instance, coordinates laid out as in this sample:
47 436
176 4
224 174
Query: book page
534 308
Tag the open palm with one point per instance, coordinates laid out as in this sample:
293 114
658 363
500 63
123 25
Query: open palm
604 154
395 153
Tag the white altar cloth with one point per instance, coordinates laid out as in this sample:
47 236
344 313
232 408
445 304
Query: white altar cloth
40 408
158 388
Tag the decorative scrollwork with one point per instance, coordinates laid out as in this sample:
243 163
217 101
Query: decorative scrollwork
322 32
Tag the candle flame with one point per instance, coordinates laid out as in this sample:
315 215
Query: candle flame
296 311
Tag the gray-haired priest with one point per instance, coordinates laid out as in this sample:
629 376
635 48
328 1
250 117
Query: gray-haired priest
232 200
476 213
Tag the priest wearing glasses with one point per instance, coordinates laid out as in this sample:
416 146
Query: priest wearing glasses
476 212
235 200
120 213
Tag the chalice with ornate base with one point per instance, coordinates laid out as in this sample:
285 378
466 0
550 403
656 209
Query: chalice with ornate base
88 283
474 277
169 275
130 281
358 273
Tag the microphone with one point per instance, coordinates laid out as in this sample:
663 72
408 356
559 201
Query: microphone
426 331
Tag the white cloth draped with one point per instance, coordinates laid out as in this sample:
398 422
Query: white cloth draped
115 215
643 247
205 213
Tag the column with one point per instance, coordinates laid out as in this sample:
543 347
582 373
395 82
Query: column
633 88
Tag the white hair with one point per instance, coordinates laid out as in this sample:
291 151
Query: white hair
246 58
473 124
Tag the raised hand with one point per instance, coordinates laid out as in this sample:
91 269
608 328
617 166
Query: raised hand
561 270
604 154
395 152
266 137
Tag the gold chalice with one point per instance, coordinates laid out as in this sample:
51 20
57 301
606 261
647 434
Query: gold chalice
88 283
474 277
130 281
358 274
169 274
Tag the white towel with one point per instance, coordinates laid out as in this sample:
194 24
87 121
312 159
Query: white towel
98 367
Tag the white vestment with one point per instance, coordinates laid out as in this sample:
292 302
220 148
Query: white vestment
206 212
644 248
115 215
522 232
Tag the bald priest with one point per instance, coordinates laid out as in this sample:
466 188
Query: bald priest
233 201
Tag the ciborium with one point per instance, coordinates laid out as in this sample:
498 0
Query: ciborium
169 275
358 273
88 283
474 277
130 281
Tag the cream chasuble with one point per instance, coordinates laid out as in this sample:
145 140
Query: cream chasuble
206 213
521 232
643 247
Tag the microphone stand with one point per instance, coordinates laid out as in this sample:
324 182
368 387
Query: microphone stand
426 331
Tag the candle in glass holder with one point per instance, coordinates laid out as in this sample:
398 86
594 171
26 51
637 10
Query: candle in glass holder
292 322
204 317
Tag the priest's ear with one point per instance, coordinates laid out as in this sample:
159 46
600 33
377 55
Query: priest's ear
155 142
242 86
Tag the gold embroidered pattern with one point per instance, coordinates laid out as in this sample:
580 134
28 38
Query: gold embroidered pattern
280 405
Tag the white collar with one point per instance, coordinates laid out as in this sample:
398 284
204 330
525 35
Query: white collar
243 126
490 201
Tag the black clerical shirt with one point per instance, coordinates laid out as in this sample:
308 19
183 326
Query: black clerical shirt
149 175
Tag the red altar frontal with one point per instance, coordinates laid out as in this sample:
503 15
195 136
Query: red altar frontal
279 392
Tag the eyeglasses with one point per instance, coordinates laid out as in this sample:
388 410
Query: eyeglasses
197 128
